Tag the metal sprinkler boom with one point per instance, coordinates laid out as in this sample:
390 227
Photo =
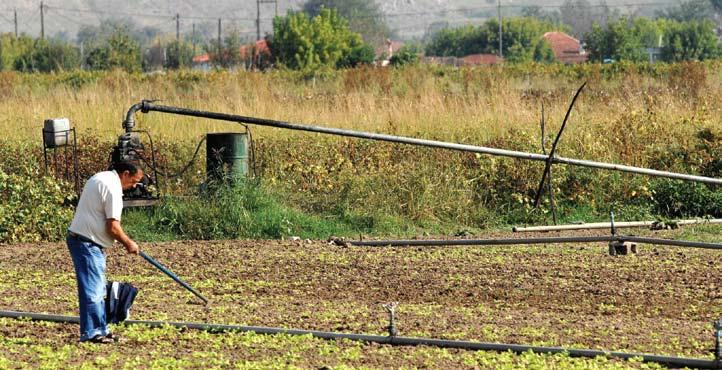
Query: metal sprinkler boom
148 106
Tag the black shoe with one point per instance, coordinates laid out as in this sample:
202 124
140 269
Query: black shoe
103 339
114 337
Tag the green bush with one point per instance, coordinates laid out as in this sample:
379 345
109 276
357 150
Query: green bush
33 207
48 56
686 199
245 210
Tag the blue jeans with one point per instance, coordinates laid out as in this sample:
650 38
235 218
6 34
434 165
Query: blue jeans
89 262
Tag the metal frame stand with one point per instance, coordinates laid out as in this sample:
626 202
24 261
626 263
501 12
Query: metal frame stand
74 146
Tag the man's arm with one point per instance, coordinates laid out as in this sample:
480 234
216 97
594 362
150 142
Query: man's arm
115 230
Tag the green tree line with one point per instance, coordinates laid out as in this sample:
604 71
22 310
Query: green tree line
322 37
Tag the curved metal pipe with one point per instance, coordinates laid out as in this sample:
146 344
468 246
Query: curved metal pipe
148 106
129 122
396 340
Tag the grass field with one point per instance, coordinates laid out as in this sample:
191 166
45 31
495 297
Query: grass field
661 116
662 300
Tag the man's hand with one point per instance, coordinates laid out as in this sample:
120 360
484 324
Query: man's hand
132 247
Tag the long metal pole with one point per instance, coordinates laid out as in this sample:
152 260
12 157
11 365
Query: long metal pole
146 106
607 225
172 276
481 242
669 361
526 241
177 27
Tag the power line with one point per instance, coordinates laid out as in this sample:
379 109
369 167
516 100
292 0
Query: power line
116 13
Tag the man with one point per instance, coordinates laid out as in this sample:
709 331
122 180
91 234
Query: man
96 226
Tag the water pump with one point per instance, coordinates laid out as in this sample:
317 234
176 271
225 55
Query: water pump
131 149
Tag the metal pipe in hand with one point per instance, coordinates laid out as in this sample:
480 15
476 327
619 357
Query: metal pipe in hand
172 276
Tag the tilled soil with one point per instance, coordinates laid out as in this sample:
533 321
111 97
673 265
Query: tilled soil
662 300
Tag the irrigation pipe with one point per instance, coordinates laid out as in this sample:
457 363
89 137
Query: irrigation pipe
522 241
607 225
147 106
395 340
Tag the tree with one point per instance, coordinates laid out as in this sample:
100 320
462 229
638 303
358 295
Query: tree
48 56
543 52
360 55
364 17
520 39
689 41
616 41
12 47
404 56
178 55
300 42
120 51
456 42
230 53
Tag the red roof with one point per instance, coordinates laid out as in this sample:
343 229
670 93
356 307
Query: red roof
261 49
203 58
566 49
481 59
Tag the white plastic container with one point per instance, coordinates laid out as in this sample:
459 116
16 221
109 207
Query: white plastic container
56 132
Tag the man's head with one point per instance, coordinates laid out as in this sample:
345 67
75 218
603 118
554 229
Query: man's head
130 174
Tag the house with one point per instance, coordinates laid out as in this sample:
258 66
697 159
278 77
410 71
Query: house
202 62
481 59
566 49
256 54
469 60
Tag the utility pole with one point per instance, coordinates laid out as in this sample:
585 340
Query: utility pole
193 38
15 11
501 53
219 38
42 21
177 27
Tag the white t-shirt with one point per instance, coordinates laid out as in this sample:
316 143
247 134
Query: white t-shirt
102 198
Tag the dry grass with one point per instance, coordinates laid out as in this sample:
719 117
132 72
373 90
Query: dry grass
467 105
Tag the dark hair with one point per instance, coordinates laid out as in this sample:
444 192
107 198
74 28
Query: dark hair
123 166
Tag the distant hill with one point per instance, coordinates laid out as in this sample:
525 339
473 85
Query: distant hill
407 18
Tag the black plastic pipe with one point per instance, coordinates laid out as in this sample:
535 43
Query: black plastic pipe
396 340
522 241
147 106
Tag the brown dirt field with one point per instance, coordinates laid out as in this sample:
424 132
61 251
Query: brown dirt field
662 300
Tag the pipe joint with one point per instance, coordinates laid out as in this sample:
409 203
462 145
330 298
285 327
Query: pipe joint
129 122
391 309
